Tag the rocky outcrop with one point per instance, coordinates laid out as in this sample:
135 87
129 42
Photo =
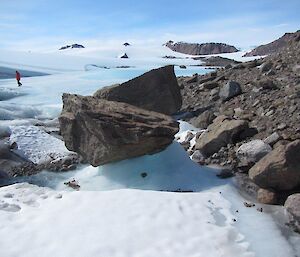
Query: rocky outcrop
71 46
274 46
124 56
280 169
104 131
200 49
221 132
156 90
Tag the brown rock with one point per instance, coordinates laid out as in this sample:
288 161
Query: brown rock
105 131
221 132
266 196
280 169
156 90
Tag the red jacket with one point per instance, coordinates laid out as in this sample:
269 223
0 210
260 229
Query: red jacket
18 76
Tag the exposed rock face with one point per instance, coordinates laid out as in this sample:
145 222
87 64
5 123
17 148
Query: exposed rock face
106 131
156 90
292 205
200 49
280 169
230 90
253 151
221 132
71 46
274 46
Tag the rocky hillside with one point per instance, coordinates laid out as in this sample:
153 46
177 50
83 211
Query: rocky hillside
251 113
200 49
274 46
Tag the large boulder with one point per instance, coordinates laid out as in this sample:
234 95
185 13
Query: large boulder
104 131
280 169
221 132
156 90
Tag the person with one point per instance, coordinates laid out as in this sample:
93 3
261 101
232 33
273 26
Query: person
18 78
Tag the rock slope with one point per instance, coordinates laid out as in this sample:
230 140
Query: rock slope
264 95
274 46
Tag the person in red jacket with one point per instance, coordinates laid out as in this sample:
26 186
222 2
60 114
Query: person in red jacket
18 78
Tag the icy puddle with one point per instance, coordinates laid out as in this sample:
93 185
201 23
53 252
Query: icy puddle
120 210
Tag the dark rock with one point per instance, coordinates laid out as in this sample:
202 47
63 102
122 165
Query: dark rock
124 56
104 131
225 173
156 90
230 90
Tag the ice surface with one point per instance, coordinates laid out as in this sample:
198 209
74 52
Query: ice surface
36 145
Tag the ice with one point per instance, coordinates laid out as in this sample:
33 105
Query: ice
36 145
9 93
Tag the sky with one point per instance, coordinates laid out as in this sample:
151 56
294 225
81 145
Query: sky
48 24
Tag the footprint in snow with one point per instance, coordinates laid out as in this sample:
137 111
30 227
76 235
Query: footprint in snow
9 207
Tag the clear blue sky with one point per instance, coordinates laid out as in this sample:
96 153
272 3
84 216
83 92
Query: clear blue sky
38 24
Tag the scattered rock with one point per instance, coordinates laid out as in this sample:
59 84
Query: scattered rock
203 120
73 184
230 90
272 139
249 205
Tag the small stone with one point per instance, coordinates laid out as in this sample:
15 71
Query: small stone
249 205
144 174
282 126
272 139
